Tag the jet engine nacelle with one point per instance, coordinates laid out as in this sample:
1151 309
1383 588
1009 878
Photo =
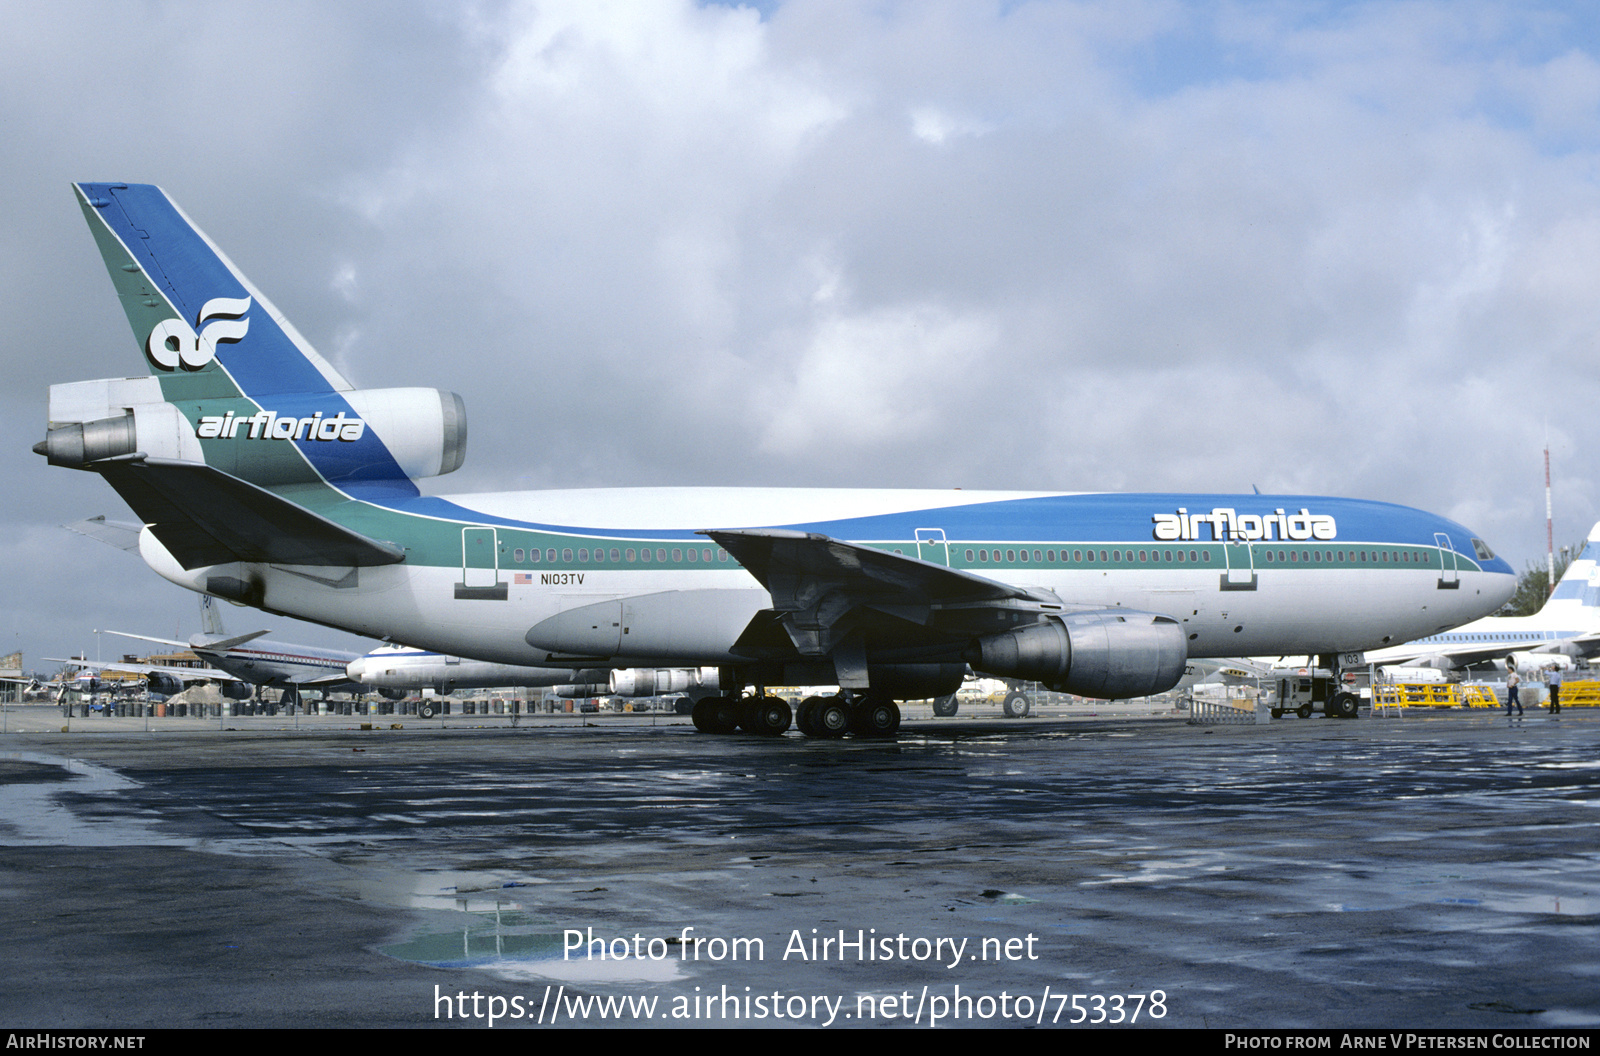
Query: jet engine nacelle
659 681
1536 660
352 435
166 685
580 690
1110 654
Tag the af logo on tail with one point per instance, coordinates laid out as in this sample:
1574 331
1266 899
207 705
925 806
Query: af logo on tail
174 344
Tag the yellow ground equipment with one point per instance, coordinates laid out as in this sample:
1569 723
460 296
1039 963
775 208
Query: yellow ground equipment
1433 695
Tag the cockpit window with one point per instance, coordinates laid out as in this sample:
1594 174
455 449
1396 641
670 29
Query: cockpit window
1481 548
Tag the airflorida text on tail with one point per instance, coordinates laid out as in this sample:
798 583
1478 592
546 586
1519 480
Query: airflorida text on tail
261 475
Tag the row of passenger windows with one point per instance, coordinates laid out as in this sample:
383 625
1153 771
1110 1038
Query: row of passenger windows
1358 556
617 554
1266 555
1081 556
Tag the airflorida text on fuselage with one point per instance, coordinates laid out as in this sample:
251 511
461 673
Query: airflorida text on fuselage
263 476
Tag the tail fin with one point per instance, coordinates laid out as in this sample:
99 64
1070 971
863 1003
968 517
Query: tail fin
206 332
232 385
211 617
1580 583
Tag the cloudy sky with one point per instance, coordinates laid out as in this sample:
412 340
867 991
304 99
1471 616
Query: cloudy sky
1329 248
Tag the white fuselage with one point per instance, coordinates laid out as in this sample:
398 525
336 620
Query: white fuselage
1290 607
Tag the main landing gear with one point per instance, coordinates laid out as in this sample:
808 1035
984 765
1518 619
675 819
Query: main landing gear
867 715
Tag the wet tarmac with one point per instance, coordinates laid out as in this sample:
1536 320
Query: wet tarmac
1438 870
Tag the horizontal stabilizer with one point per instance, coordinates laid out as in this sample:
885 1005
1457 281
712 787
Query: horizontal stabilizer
222 645
119 534
204 516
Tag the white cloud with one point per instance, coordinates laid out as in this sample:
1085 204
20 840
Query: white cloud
1339 248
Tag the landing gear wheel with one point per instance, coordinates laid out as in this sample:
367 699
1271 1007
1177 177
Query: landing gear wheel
683 706
945 706
1016 705
875 718
766 716
426 710
805 717
830 718
1342 706
1304 711
715 715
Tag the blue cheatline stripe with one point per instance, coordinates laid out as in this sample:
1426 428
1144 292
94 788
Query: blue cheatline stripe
1114 519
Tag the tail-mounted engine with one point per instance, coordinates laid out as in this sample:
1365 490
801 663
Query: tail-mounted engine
359 434
1111 654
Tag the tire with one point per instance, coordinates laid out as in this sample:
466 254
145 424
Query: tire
1304 711
683 706
1017 705
1342 706
426 710
805 717
875 718
767 716
830 719
724 714
945 706
1277 713
716 715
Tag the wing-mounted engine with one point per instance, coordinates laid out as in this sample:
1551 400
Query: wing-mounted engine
660 681
1111 654
292 438
867 611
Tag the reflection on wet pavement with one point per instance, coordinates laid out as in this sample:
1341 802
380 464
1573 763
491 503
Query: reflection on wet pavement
1425 871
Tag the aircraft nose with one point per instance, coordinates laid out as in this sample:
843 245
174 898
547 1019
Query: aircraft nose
356 668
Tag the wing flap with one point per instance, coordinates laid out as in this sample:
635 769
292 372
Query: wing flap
793 564
821 585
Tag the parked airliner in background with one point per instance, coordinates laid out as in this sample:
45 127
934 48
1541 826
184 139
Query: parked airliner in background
399 667
1565 629
253 659
163 679
263 476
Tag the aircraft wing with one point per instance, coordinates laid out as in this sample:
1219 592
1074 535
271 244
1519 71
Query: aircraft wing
204 516
1239 669
1586 645
183 674
820 584
333 681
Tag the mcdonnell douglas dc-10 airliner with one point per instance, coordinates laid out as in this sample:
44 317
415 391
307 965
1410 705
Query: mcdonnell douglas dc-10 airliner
262 476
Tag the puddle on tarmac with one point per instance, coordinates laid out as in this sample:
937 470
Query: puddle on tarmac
478 921
33 815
